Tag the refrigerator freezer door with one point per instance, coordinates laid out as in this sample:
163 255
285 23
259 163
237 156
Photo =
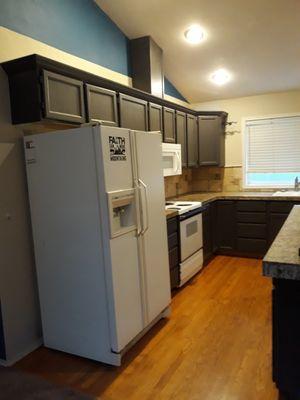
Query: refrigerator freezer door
153 239
121 250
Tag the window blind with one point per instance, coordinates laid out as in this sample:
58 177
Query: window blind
273 145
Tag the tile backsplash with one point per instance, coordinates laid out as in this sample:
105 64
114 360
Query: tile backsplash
205 179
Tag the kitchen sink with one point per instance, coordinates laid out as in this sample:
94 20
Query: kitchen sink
287 193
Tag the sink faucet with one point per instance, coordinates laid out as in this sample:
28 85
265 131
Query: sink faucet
297 184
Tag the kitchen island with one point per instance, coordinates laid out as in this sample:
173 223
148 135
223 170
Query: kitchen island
282 264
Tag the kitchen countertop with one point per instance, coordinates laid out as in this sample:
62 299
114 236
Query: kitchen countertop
206 198
283 260
171 213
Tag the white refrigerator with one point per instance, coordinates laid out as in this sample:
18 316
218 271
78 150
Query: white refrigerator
99 228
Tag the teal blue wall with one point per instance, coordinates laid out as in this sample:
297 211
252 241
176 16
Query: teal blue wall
171 90
78 27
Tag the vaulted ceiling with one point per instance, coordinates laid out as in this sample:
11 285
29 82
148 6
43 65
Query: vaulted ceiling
258 41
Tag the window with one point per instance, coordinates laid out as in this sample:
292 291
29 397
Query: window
271 152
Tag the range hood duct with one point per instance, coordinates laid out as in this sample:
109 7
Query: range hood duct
147 66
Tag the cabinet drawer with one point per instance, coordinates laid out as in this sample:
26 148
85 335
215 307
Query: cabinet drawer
252 246
258 231
255 217
281 206
171 225
251 205
172 240
174 257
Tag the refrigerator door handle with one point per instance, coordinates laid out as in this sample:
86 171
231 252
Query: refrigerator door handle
138 206
144 209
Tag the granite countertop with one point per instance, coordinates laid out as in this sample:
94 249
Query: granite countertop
209 197
171 213
206 198
283 260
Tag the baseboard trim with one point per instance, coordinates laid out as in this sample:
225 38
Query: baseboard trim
33 346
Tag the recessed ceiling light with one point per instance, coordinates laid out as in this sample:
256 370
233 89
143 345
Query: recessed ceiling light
194 34
220 77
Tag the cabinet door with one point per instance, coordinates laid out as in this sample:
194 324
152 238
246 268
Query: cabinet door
169 125
276 221
133 113
2 341
102 105
155 117
63 96
181 135
226 225
192 141
211 141
207 233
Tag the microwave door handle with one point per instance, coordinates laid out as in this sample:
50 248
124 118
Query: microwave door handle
144 209
178 161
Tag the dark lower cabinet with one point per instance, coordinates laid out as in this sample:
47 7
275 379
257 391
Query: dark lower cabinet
181 135
251 247
133 113
102 105
63 98
286 333
242 227
226 226
173 246
2 341
207 224
276 221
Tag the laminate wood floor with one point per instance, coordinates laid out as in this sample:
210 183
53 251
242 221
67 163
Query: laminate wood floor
215 346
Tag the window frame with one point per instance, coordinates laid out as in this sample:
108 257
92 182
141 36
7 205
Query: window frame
245 150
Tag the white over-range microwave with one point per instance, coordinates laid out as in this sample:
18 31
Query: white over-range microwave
171 154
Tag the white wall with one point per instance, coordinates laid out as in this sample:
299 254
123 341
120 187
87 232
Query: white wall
239 108
18 290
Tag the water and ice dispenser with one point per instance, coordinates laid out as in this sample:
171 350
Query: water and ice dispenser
122 211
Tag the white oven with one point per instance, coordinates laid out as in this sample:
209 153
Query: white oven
171 154
191 245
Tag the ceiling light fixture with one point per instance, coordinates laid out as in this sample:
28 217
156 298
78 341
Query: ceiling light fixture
220 77
194 34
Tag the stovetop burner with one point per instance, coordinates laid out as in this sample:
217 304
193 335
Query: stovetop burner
182 206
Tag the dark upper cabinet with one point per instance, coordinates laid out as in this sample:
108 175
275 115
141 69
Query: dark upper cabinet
133 113
169 125
155 117
101 105
181 135
192 141
211 140
63 98
226 223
